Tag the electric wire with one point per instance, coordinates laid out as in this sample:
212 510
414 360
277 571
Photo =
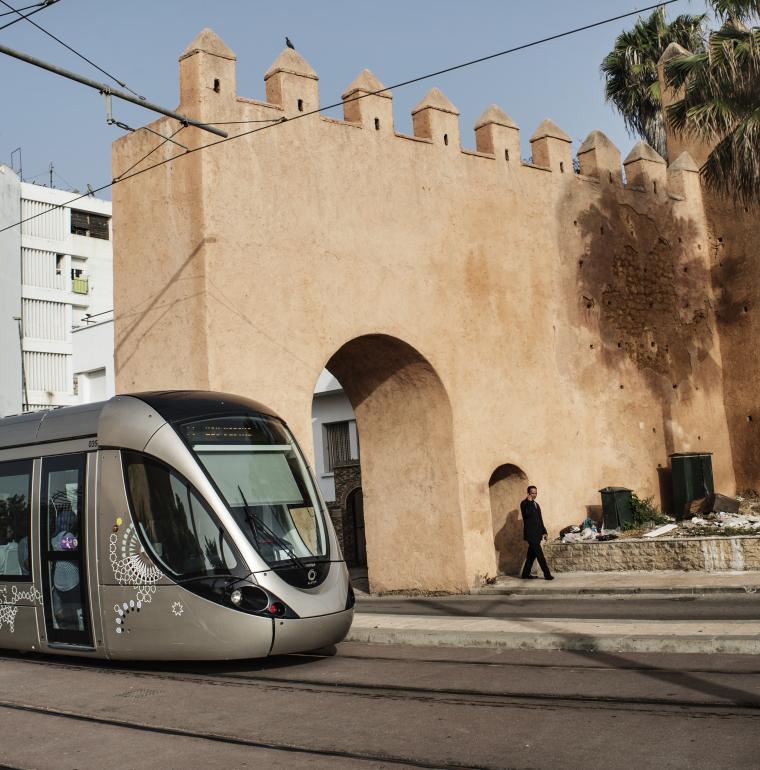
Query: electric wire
147 155
21 16
318 110
238 122
24 8
68 47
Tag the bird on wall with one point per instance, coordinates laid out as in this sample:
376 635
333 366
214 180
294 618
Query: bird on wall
289 43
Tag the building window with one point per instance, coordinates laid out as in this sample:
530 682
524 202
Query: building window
337 444
79 283
89 224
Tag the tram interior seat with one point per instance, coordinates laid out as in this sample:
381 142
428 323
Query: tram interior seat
9 561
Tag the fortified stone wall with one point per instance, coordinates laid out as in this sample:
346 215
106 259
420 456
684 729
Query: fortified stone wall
479 311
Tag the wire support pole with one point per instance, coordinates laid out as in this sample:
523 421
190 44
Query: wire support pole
104 89
24 387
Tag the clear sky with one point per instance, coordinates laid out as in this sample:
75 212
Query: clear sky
139 41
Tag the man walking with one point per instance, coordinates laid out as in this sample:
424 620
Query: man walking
533 532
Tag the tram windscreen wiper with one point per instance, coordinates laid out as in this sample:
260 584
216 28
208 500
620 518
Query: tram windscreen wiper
254 522
251 521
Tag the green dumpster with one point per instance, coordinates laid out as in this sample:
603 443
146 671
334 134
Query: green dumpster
692 479
616 506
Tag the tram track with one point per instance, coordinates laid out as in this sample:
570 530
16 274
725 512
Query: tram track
444 695
232 740
514 664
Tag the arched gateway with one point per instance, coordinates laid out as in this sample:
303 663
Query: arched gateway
474 307
412 520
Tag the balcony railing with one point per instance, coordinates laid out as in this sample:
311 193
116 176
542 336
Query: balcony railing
80 285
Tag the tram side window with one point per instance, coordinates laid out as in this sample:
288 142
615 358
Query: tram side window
15 496
176 525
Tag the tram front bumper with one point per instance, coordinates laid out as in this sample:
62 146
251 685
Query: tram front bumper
304 634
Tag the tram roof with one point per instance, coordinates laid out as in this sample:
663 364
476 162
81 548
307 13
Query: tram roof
83 420
177 405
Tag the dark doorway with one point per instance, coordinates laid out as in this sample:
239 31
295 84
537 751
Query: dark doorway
506 488
355 516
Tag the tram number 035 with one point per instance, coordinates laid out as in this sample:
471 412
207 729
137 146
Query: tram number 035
92 443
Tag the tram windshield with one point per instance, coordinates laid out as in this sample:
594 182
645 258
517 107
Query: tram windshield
259 470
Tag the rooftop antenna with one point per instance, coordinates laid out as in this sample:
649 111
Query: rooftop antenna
51 173
13 168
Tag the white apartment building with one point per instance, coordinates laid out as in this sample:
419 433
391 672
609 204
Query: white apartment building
56 271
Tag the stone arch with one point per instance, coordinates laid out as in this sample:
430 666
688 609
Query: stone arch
506 488
409 479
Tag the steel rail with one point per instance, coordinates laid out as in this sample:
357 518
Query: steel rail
357 756
452 696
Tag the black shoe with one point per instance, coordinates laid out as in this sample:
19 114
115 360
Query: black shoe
528 577
548 577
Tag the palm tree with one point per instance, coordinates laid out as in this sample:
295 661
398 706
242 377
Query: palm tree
721 101
739 10
630 71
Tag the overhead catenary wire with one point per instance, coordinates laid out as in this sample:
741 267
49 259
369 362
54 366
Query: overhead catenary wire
239 122
124 177
24 8
68 47
149 153
107 90
39 7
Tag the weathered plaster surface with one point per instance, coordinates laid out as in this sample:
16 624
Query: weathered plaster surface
478 311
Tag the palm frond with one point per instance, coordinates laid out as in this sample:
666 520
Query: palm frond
720 103
741 10
630 71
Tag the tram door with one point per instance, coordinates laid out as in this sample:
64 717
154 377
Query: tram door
62 550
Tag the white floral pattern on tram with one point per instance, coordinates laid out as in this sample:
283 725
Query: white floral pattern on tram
134 568
9 606
177 608
131 567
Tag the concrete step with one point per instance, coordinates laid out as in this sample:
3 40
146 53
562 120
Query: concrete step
734 637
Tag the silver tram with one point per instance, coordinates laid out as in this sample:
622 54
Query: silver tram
165 525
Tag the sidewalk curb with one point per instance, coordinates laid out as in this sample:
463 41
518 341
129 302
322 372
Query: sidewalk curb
559 591
747 645
571 592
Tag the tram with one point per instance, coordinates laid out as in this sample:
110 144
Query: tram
176 525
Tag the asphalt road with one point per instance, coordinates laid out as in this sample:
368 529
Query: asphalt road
385 707
633 607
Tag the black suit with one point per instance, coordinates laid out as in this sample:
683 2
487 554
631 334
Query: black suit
533 531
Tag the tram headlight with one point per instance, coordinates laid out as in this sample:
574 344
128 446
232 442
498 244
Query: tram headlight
236 597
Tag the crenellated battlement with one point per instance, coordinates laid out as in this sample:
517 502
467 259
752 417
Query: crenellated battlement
208 93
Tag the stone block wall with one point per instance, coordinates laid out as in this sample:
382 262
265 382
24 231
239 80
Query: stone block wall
708 554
